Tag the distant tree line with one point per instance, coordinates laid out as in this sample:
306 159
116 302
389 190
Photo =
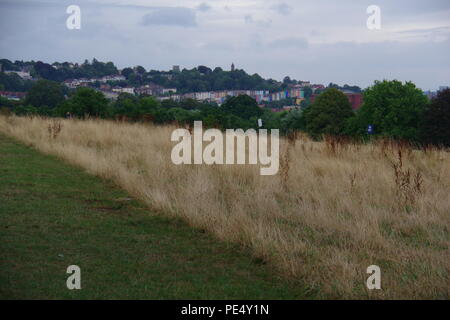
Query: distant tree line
49 98
199 79
62 71
346 87
392 109
12 82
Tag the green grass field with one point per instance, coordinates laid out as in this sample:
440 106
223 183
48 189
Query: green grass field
53 215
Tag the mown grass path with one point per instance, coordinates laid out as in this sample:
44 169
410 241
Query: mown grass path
53 215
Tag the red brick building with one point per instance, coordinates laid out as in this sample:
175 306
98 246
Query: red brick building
355 99
13 95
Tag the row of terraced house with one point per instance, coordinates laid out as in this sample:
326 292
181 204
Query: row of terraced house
295 92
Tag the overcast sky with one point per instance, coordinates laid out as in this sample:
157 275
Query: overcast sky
321 40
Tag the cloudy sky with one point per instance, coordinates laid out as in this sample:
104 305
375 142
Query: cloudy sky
321 40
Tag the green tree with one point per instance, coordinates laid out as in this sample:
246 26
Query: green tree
148 106
190 104
140 69
308 92
204 70
169 103
12 82
328 114
86 102
393 108
305 103
6 103
242 106
127 72
271 120
45 93
126 105
25 110
182 116
136 109
8 65
435 127
293 120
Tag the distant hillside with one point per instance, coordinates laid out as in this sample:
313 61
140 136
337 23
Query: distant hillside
199 79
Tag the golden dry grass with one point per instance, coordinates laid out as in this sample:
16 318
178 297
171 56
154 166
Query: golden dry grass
332 211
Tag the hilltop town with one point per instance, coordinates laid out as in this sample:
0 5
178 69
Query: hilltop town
201 83
176 84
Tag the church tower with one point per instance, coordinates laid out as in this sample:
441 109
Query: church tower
232 67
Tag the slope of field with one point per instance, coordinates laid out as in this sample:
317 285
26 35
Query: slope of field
53 215
333 210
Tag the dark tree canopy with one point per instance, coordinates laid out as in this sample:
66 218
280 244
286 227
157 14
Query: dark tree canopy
140 69
393 108
134 108
204 70
435 127
346 87
12 82
328 114
127 72
64 71
308 92
242 106
45 93
86 102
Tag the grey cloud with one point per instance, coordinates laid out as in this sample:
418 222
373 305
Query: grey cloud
203 7
408 7
282 8
171 16
262 23
428 30
115 30
434 34
26 3
248 19
289 43
426 64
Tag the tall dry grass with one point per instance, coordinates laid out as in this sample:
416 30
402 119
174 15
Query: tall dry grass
333 210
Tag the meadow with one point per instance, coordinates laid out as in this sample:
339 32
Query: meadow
53 215
334 208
